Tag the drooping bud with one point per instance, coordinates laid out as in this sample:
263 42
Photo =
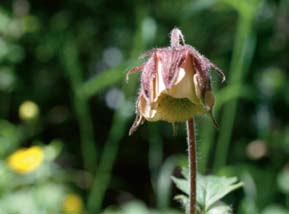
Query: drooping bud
175 84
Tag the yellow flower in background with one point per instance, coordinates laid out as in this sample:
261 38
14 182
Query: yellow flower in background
28 110
26 160
72 204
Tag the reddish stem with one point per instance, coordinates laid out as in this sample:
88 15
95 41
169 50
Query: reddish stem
192 165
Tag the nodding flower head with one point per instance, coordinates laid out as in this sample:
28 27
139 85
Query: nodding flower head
175 84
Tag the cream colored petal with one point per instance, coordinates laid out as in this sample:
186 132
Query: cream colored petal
196 85
159 84
146 110
184 83
184 86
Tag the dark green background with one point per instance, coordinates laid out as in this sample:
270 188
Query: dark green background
71 57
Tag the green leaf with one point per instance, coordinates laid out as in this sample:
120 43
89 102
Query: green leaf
53 150
220 208
276 209
183 199
103 80
9 137
182 185
210 190
136 207
4 21
283 181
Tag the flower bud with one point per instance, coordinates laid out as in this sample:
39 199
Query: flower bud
175 84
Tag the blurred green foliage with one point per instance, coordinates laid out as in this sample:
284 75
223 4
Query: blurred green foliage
70 59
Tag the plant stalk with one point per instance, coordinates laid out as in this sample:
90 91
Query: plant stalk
109 154
73 70
242 55
192 165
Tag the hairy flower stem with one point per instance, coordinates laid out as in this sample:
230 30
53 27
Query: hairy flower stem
192 165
